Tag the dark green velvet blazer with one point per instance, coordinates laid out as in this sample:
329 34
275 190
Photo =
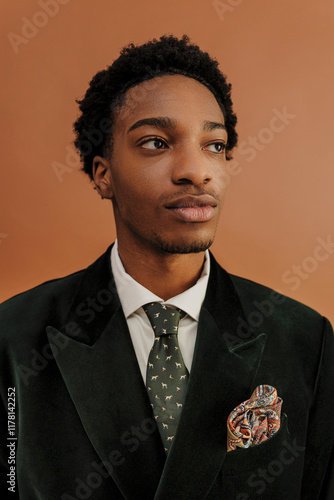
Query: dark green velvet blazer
84 424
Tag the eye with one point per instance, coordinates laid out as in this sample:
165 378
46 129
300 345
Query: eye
216 147
153 143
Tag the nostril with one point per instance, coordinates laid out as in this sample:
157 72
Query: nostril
183 180
191 174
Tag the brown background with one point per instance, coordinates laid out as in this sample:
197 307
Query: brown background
276 54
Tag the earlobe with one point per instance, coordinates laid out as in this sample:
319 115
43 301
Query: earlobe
101 172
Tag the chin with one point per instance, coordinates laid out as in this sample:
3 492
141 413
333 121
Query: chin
184 247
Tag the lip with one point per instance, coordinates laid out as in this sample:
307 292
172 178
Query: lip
199 208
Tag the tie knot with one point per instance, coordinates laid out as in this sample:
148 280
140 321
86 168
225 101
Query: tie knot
164 320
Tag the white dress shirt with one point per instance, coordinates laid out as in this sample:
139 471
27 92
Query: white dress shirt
133 296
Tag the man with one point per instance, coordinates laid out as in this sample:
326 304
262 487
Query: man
124 375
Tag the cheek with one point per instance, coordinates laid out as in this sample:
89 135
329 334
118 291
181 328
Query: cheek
134 193
139 183
224 178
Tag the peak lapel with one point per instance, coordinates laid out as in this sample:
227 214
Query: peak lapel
101 373
221 377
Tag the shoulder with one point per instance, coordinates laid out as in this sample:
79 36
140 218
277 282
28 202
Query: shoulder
265 307
25 316
254 295
257 299
41 304
53 298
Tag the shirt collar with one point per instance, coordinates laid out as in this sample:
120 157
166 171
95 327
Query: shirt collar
133 295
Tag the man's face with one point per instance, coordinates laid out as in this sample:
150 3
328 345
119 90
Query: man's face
167 172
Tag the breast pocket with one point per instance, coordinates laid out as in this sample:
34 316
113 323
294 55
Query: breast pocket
243 461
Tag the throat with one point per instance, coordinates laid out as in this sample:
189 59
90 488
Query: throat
167 275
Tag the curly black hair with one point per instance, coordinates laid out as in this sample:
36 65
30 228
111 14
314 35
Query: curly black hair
136 64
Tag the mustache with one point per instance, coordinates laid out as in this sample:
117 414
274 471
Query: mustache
189 191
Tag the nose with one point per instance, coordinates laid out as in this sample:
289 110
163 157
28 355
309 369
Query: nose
191 167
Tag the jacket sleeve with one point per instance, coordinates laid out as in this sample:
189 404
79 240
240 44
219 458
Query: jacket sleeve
317 478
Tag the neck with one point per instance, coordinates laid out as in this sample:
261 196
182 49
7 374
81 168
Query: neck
164 274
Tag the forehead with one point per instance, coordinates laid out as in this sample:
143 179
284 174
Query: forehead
176 96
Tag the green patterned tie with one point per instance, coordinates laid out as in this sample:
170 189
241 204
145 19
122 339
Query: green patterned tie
166 376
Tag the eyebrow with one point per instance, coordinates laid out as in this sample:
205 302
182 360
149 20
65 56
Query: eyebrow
164 122
158 122
209 126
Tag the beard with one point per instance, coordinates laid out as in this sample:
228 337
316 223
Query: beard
183 247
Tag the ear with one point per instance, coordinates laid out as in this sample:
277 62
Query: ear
102 177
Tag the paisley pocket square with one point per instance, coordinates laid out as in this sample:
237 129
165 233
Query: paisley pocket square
255 420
